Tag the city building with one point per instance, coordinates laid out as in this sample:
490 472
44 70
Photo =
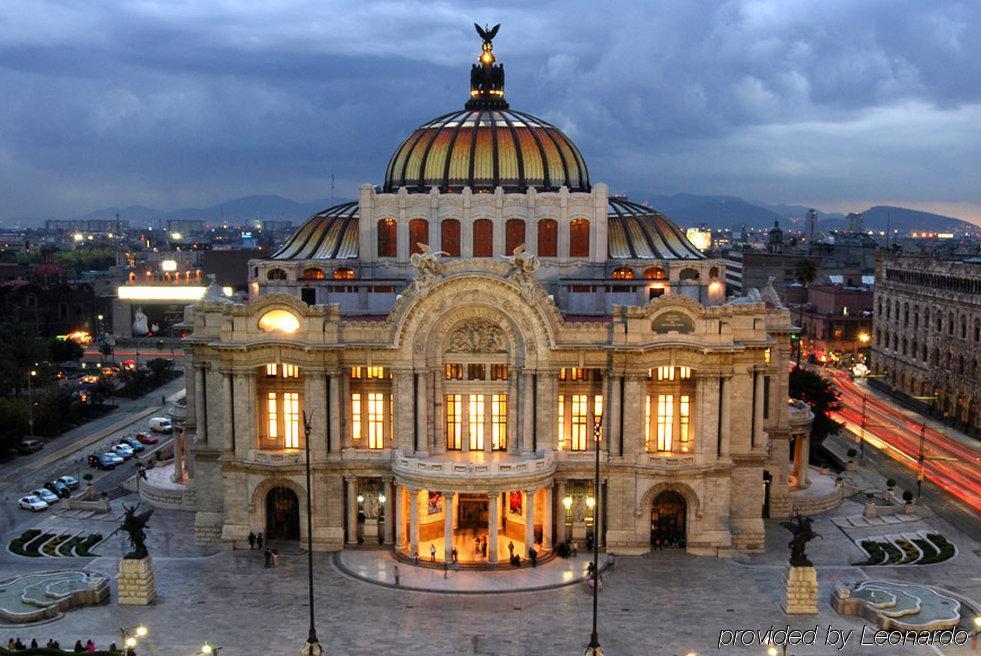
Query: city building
854 223
927 339
837 318
455 342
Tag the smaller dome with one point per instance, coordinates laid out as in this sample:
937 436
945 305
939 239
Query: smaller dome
329 235
638 232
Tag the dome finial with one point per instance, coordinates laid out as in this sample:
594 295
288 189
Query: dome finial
487 78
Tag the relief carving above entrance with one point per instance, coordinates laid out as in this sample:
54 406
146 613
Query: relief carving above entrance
477 336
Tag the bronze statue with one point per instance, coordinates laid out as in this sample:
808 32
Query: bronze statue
133 524
803 533
487 34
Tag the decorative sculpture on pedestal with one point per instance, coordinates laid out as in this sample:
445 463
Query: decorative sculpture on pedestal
134 524
801 581
137 579
803 533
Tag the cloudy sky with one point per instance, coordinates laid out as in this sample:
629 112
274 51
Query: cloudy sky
837 104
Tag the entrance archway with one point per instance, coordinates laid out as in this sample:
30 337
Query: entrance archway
282 514
668 521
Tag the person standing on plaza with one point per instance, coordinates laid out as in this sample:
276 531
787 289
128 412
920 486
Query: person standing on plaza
275 557
251 540
432 553
258 540
268 556
533 556
511 548
90 646
396 576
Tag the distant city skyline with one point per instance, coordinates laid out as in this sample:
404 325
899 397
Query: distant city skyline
832 106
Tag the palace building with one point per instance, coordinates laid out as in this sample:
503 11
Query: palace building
459 338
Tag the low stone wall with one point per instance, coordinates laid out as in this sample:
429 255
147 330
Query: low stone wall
158 490
814 505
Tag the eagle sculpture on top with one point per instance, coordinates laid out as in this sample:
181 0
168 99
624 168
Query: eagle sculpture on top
487 34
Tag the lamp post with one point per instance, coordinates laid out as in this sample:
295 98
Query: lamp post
312 648
131 636
594 648
30 401
208 650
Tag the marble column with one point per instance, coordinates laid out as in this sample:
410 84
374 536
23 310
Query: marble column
529 520
527 414
228 401
447 525
560 535
334 399
245 417
725 428
493 522
758 439
391 509
513 419
422 434
633 418
612 404
352 509
547 506
398 504
413 522
200 406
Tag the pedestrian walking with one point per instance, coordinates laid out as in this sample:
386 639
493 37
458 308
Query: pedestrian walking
453 554
251 540
483 547
275 557
258 540
446 569
432 553
533 556
396 576
415 557
511 548
268 557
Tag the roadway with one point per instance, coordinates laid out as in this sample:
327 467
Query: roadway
68 453
951 461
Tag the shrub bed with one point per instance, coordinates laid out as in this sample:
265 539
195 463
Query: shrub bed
910 553
877 554
67 548
929 551
18 545
84 548
50 547
945 550
895 555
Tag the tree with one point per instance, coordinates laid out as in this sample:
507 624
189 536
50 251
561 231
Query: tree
805 272
160 370
105 348
818 392
66 350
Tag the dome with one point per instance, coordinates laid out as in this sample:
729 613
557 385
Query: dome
328 235
638 232
484 149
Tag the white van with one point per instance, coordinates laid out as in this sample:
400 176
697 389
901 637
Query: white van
161 425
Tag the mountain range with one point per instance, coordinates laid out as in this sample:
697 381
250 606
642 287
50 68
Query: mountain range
686 209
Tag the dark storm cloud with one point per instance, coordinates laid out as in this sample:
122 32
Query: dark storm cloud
177 103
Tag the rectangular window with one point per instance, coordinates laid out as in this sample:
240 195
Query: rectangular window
376 372
684 373
291 419
475 372
356 372
272 415
376 420
271 370
684 421
370 373
454 372
647 422
356 416
454 421
561 421
291 371
580 406
665 373
499 372
499 420
665 421
476 422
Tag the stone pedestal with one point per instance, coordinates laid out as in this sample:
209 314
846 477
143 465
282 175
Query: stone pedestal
137 581
802 591
370 531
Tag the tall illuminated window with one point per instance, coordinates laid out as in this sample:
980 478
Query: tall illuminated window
561 421
271 370
454 421
356 416
376 420
647 422
499 421
684 415
291 371
476 421
665 421
272 415
580 407
291 420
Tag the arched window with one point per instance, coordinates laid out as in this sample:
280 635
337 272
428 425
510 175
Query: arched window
387 238
418 234
714 272
313 273
548 238
579 238
450 237
655 273
963 327
276 274
514 235
483 238
688 274
344 273
623 273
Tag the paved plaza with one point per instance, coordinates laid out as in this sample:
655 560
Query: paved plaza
668 603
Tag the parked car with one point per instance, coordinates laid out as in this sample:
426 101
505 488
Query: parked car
124 451
161 425
70 481
46 495
146 438
58 488
31 502
30 446
104 460
133 444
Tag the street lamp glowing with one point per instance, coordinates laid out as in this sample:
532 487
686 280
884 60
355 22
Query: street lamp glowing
206 648
772 651
382 498
591 502
130 641
141 631
864 338
567 502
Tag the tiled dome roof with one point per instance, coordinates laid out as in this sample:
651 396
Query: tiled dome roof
639 232
483 149
328 235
